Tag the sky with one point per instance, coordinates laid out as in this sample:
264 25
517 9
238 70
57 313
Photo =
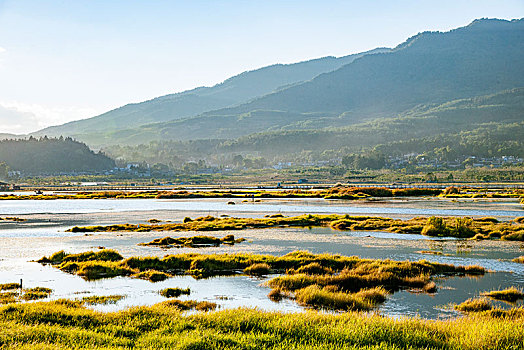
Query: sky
63 60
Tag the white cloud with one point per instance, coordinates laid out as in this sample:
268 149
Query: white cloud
23 118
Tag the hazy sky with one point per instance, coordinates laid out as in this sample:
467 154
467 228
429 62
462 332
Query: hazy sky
63 60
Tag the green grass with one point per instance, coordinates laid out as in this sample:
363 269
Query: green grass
67 325
510 294
465 227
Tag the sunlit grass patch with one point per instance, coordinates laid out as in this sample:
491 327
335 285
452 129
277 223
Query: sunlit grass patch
519 259
510 294
193 242
474 305
258 269
152 275
483 228
54 325
190 305
102 299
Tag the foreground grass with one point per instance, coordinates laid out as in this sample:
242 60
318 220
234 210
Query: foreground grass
480 228
67 325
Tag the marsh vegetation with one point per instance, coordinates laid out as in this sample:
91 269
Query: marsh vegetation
193 242
62 324
458 227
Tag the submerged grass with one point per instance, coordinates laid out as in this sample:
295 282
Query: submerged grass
67 325
483 228
11 293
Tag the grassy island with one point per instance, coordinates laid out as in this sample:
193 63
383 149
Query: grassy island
193 242
337 192
480 228
316 280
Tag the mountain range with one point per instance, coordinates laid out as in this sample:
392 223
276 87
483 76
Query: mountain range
434 82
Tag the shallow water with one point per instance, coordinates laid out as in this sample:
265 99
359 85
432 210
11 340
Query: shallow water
22 242
410 206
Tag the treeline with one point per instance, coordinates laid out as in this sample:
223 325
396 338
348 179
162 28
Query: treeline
51 156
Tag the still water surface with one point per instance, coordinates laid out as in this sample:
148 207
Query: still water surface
20 244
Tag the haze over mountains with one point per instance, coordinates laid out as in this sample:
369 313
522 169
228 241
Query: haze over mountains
233 91
407 90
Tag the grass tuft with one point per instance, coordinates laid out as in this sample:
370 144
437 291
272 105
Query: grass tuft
174 292
510 294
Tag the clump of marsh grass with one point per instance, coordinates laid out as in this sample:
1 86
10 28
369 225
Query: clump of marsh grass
314 268
12 218
318 297
184 305
474 305
36 293
174 292
102 299
12 296
152 275
101 255
519 259
193 242
510 294
9 286
276 295
258 269
9 297
435 226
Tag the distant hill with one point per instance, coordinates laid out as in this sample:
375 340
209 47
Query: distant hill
233 91
428 69
432 67
500 112
4 136
52 156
